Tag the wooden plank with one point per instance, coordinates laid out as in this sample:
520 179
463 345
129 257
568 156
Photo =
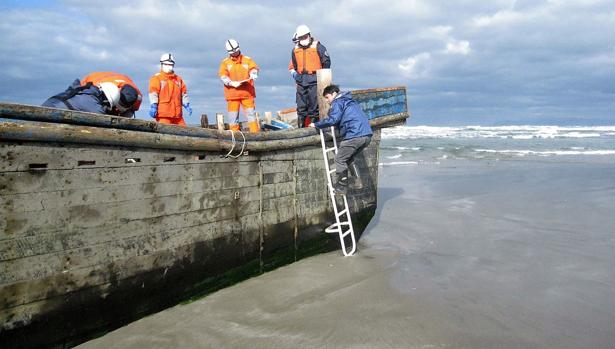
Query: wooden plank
38 201
17 156
86 178
51 115
24 292
275 204
278 190
49 132
38 266
55 237
268 117
277 166
220 121
20 293
324 78
79 216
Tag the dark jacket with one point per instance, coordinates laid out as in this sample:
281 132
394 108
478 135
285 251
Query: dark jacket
310 79
87 98
347 115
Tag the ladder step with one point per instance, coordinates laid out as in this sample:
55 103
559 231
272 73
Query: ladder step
342 213
330 149
336 227
346 233
333 229
331 171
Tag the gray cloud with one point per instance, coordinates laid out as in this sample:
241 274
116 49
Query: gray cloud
463 61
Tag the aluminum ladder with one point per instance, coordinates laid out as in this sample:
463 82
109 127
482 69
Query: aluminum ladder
340 224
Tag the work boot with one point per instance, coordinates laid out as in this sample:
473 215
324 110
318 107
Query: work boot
341 185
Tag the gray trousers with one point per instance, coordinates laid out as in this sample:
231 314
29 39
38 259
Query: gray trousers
346 151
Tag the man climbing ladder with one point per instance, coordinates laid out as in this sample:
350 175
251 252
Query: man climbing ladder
345 114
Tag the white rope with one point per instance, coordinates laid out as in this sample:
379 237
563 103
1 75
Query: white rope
243 145
233 144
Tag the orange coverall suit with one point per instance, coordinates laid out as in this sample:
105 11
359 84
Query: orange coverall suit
169 91
238 69
116 78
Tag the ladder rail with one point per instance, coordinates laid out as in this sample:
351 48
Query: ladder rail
337 227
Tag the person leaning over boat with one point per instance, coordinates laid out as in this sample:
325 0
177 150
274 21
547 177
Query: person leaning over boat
100 92
308 56
238 73
168 93
345 114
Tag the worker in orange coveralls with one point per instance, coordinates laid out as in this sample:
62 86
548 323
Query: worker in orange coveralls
168 93
238 73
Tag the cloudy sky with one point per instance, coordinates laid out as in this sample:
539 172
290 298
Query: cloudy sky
462 61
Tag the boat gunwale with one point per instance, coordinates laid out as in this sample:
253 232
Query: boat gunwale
67 133
64 116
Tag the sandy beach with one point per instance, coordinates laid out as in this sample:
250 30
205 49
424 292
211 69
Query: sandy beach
510 254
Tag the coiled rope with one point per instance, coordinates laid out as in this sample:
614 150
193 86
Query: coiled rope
243 145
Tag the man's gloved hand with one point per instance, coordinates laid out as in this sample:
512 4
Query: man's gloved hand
235 83
226 80
153 109
188 109
293 73
254 74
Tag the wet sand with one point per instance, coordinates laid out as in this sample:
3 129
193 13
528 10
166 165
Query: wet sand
515 254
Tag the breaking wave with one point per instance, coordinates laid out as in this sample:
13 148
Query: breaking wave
510 132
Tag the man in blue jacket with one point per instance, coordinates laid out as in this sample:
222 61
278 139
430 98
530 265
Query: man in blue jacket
345 114
102 98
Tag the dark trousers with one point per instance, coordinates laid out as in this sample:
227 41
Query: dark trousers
347 150
307 104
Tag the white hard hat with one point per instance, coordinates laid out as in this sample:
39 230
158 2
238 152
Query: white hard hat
232 46
301 30
167 58
111 91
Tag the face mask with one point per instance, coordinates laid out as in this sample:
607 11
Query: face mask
167 68
304 42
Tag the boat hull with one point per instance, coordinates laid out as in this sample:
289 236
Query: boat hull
95 236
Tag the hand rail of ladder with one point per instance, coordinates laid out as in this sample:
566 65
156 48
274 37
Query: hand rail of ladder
337 226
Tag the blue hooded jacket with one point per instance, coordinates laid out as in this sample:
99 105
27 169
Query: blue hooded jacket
82 98
347 115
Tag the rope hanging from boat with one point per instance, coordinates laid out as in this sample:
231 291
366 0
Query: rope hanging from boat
243 145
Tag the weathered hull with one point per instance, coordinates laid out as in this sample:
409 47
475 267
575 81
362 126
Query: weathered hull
93 236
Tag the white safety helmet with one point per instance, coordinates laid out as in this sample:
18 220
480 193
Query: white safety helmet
111 91
167 58
301 31
232 46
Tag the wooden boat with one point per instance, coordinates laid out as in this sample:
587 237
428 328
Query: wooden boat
106 219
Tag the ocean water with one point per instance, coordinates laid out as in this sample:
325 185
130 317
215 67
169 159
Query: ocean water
427 144
484 237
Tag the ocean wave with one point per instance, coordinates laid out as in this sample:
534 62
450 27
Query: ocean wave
398 163
524 152
524 132
394 156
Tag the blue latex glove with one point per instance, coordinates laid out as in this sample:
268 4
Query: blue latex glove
153 109
188 109
293 73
